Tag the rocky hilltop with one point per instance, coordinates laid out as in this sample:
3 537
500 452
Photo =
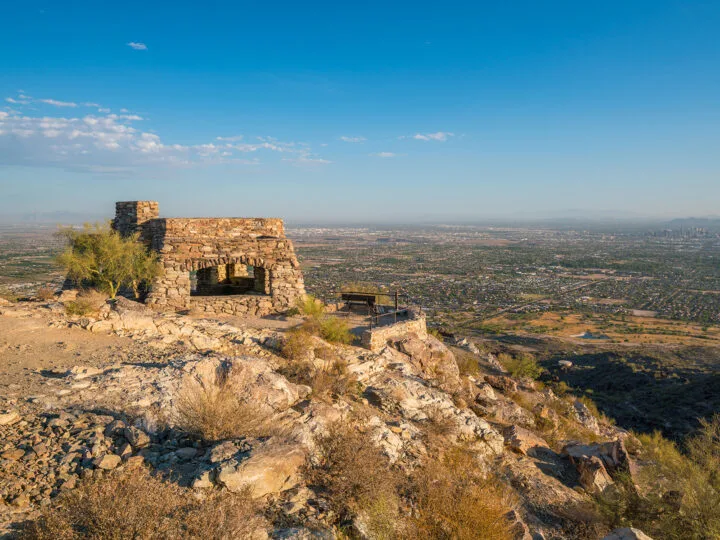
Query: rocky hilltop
144 406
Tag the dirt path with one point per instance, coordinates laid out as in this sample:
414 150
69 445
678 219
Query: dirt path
29 348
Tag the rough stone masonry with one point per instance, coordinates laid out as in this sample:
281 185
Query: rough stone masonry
241 266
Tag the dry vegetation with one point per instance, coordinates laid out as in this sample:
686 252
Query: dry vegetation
446 498
88 302
135 504
212 411
453 500
679 492
316 366
45 293
353 474
7 294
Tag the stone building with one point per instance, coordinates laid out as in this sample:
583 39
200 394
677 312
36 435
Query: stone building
241 266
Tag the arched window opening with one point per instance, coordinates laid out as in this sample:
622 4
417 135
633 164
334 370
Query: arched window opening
229 279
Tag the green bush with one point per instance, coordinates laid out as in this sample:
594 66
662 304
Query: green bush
310 306
100 257
335 330
522 366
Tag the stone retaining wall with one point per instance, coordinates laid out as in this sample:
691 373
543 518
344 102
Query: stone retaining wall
376 338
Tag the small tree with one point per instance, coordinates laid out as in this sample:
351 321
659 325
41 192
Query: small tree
101 257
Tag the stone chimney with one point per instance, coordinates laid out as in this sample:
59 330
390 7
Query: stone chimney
130 215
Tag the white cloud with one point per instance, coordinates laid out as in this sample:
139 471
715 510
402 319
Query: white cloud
114 143
103 110
437 136
17 101
137 46
352 139
385 154
56 103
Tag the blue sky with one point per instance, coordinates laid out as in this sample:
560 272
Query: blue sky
373 111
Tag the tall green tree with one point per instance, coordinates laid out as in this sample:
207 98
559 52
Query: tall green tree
99 256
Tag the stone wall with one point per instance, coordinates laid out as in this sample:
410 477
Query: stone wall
376 338
130 216
191 244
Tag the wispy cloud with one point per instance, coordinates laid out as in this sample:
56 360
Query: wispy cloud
56 103
384 154
441 136
352 139
111 143
137 46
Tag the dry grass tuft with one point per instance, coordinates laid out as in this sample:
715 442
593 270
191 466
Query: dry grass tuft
353 474
453 500
467 362
45 293
7 294
135 504
297 345
213 411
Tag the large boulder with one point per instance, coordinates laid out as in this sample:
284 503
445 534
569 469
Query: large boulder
597 463
522 440
252 379
413 399
271 468
593 474
432 358
500 382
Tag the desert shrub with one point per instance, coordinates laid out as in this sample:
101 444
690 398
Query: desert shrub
335 330
87 302
7 294
135 504
597 413
310 306
454 501
100 257
297 344
212 411
354 475
680 492
334 380
292 312
328 377
434 332
522 366
438 424
467 362
45 293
